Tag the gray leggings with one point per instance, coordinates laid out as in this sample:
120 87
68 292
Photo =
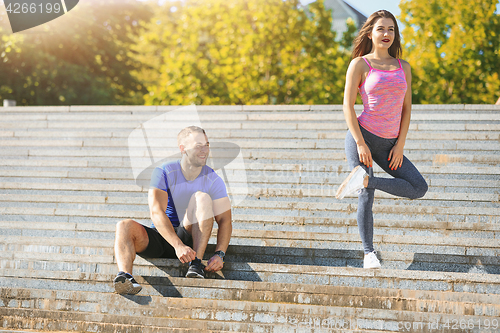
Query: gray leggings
407 181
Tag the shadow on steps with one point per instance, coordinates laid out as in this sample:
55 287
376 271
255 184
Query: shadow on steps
242 264
455 263
354 258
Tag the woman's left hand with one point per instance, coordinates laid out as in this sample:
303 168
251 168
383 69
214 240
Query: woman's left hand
396 157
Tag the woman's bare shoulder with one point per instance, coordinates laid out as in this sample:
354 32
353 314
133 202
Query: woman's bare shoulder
357 60
358 63
405 64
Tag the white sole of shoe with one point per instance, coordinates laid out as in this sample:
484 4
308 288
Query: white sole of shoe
194 275
122 287
126 287
341 191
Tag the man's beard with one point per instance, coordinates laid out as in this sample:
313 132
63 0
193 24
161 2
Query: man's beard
195 161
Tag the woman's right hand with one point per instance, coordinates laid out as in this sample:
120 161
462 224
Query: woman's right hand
365 155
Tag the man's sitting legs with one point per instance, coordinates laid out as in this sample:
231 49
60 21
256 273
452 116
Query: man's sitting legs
133 238
199 221
130 238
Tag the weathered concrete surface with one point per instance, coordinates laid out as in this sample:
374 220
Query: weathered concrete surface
294 264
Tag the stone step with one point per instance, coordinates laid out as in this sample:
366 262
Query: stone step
56 244
255 171
490 117
73 187
291 162
348 300
458 125
44 163
303 206
291 212
445 108
255 144
443 245
84 323
435 164
441 196
335 131
254 190
91 322
334 282
205 108
311 190
291 315
257 282
382 227
23 331
283 223
117 137
396 252
329 240
294 251
314 171
461 175
273 184
341 226
303 220
86 258
23 237
299 208
93 147
97 135
253 177
321 206
313 157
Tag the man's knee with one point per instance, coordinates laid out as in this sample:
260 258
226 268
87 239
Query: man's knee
131 232
202 199
128 227
200 207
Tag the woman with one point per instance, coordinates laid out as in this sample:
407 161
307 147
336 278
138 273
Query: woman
379 133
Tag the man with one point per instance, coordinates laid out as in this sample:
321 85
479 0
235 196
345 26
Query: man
184 197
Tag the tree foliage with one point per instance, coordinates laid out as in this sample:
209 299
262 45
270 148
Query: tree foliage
241 52
453 47
82 57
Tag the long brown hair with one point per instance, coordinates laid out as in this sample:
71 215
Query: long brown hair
363 44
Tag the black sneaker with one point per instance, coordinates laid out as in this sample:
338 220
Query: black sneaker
125 284
196 269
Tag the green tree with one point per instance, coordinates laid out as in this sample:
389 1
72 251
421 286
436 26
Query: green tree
453 47
82 57
349 35
241 52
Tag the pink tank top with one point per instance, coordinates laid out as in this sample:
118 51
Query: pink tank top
383 94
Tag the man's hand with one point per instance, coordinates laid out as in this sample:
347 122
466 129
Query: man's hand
185 253
214 264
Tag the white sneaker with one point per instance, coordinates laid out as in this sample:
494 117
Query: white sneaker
371 261
353 182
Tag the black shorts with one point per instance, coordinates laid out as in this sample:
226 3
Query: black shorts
158 247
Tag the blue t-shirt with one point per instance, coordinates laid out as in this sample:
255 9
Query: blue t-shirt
168 177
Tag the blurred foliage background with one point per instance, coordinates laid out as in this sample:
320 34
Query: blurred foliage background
238 52
83 57
453 47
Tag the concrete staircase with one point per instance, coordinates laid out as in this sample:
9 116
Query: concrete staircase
295 259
